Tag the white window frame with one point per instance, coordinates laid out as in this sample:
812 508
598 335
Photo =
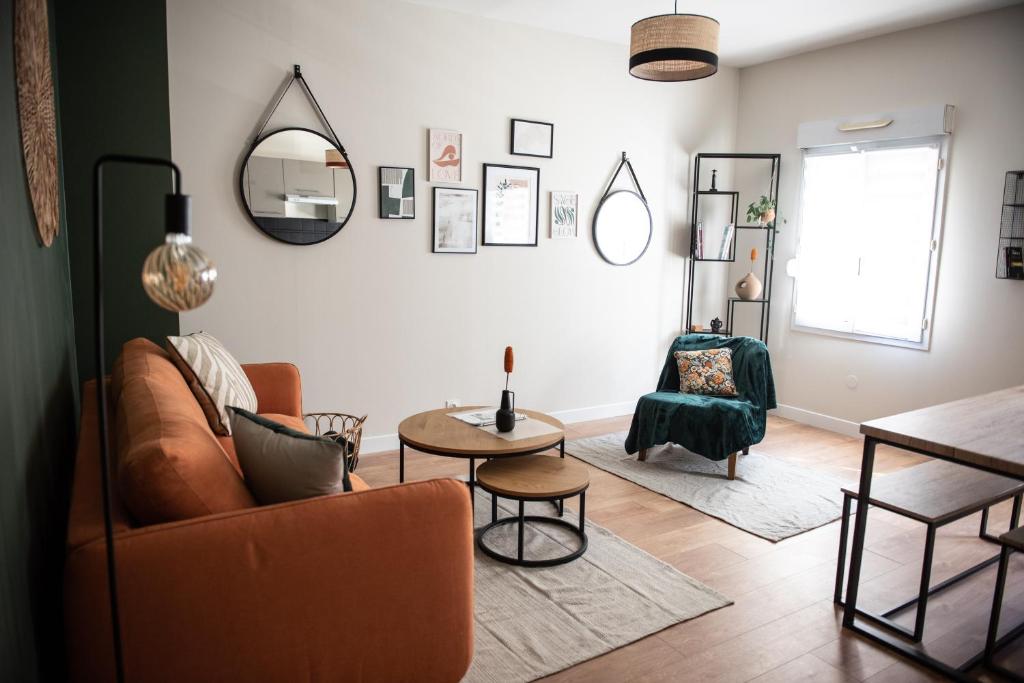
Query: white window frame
936 238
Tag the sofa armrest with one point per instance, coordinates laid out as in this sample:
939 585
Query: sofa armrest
368 586
278 387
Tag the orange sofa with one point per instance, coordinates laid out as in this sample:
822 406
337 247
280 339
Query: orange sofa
372 585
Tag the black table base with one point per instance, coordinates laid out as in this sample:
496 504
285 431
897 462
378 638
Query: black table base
521 519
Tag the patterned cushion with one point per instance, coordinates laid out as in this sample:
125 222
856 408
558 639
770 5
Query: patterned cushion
215 377
707 372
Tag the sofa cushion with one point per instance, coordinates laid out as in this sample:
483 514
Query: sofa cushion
282 464
169 464
214 376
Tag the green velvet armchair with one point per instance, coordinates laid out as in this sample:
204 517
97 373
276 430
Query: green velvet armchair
713 426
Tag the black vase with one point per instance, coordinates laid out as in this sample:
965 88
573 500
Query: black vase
505 417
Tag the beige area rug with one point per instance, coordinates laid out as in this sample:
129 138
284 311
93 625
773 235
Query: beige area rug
533 622
769 498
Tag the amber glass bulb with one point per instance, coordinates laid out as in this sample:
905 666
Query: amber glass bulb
177 275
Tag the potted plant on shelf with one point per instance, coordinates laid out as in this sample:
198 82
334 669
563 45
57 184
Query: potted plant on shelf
762 211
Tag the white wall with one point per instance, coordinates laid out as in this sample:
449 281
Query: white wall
377 323
978 327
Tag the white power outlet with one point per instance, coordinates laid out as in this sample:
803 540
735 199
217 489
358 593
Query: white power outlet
452 403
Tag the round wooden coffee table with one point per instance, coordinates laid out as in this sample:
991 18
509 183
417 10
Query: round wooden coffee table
437 433
533 478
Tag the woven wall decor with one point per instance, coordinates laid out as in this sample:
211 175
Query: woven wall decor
36 113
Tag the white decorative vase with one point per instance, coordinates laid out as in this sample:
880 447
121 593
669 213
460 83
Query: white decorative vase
749 287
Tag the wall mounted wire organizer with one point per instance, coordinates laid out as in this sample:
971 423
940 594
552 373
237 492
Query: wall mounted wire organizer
1009 262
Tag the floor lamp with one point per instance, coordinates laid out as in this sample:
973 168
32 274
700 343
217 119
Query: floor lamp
176 276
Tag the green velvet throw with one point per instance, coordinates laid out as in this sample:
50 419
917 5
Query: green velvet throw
712 426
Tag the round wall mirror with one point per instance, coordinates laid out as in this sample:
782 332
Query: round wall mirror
297 186
622 227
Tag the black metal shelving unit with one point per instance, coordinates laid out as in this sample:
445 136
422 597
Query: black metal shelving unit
769 238
1011 222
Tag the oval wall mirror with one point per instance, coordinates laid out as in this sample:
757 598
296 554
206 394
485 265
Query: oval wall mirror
622 227
297 186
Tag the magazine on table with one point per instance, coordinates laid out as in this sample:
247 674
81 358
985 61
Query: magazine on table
481 417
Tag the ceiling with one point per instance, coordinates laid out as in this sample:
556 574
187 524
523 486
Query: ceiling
753 31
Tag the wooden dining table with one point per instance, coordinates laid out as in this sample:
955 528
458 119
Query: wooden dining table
983 432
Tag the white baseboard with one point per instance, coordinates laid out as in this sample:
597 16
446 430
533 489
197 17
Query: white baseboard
809 417
389 442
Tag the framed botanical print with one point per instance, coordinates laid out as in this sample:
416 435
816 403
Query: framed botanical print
511 198
445 160
455 220
532 138
397 190
564 215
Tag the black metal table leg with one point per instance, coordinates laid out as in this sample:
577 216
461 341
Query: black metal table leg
997 604
494 508
472 483
926 577
561 501
583 509
844 529
860 528
401 462
522 525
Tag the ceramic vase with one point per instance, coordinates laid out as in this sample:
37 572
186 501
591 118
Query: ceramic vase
505 417
749 287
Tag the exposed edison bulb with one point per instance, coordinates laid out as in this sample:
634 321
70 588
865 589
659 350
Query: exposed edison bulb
177 275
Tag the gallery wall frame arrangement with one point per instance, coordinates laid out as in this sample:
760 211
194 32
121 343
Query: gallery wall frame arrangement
454 222
444 155
511 205
564 214
397 192
532 138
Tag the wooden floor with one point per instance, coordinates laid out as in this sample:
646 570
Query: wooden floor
783 626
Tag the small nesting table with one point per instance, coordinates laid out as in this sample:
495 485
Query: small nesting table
533 478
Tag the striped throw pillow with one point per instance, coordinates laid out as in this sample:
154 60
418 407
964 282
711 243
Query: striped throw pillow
215 377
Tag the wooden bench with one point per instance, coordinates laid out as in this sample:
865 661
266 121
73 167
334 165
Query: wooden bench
935 493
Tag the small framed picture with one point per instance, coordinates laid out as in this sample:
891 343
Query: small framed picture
455 220
511 198
397 192
564 214
445 156
532 138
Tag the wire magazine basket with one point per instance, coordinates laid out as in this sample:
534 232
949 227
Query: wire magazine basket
341 427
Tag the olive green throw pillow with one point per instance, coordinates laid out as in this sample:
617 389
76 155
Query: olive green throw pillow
281 464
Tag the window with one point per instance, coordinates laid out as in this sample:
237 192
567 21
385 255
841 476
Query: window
869 217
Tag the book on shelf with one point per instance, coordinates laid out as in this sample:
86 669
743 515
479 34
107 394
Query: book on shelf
700 240
727 234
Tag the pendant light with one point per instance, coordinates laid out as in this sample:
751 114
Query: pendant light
674 47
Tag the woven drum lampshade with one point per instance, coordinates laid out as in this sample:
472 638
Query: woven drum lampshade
674 47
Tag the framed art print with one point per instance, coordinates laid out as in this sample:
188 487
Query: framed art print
445 150
455 220
511 198
564 215
532 138
397 188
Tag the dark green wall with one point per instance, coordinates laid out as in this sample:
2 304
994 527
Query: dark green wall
112 69
38 410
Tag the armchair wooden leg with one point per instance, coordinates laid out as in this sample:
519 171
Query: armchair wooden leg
732 466
642 455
